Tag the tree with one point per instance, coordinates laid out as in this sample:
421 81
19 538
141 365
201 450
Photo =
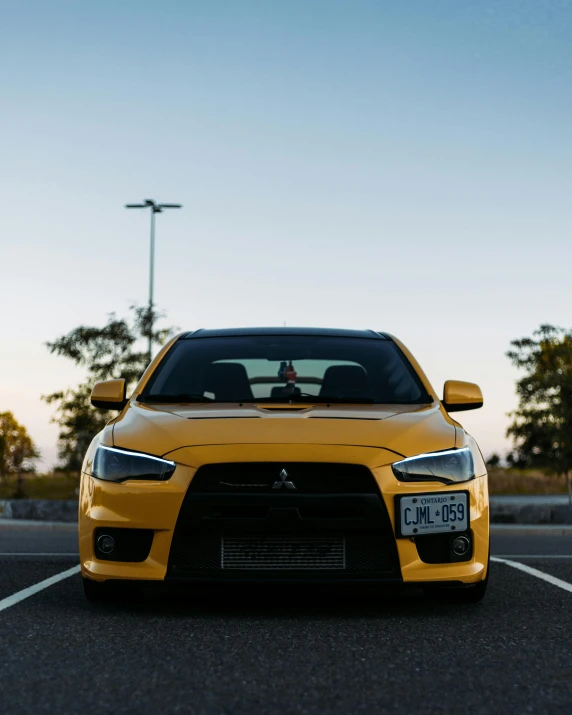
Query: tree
494 460
515 461
113 351
541 427
18 452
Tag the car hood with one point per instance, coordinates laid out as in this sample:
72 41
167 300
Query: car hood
403 429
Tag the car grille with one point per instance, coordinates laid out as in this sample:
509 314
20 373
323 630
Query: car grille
234 523
306 477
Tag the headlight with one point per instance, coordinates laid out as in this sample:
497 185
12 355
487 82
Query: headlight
118 465
450 466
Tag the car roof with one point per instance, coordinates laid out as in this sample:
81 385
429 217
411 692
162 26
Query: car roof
327 332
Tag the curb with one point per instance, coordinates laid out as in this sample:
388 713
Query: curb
47 510
12 524
543 510
532 529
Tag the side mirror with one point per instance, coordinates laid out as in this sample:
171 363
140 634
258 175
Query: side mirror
109 395
459 396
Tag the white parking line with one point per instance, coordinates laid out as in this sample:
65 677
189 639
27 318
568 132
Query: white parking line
38 553
31 590
534 556
533 572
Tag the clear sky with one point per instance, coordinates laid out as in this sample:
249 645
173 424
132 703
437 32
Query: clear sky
403 166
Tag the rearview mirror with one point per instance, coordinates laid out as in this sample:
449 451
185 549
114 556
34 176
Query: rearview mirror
459 396
109 395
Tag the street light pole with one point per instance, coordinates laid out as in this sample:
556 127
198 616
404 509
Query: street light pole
156 208
151 274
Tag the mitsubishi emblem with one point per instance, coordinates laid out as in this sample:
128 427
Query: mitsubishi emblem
284 481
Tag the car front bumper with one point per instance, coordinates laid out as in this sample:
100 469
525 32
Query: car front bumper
158 505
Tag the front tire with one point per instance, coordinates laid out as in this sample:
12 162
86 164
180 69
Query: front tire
97 591
472 594
467 594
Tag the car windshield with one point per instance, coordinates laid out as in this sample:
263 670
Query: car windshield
290 368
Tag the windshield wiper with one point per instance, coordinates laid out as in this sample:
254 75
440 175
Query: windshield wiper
180 398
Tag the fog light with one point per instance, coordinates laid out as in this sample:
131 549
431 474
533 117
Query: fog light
106 544
460 545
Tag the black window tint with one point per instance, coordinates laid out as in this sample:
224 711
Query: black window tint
283 368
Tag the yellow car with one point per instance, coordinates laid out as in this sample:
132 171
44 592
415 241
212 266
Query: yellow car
285 455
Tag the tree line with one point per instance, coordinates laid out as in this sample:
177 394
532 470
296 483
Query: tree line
540 427
117 349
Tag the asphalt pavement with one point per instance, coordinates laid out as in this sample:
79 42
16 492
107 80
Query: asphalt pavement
285 650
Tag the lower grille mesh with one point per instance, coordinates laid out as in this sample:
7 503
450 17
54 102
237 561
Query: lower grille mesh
196 551
283 553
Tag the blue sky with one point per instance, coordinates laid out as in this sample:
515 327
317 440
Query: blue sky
404 166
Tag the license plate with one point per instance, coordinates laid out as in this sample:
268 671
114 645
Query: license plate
432 513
